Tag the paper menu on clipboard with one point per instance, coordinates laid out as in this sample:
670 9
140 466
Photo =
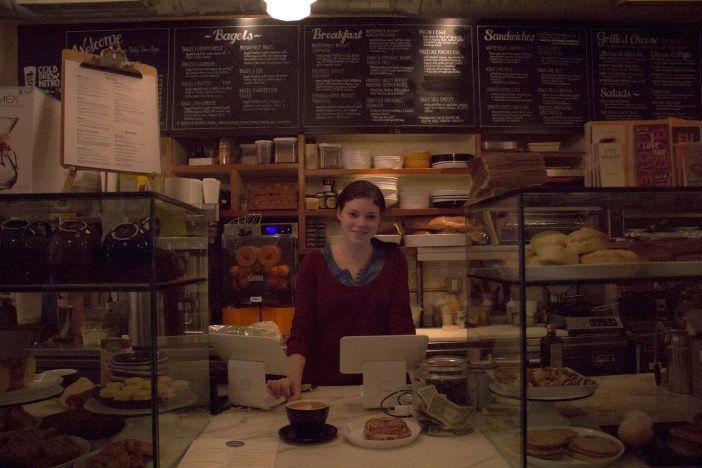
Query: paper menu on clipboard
110 118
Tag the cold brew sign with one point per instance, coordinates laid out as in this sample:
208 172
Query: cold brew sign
532 76
235 77
371 76
640 74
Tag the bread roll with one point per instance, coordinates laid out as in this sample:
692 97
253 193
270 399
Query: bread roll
556 255
609 256
635 432
585 240
546 238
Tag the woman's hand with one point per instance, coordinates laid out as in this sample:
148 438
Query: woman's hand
290 389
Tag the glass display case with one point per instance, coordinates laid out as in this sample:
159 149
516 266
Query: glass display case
116 283
610 273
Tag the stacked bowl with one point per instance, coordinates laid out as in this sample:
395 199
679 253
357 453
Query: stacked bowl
416 159
387 162
387 185
356 159
414 201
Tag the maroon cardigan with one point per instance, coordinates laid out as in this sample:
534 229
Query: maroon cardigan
326 311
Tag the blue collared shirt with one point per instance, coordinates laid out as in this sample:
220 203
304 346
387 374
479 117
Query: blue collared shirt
365 275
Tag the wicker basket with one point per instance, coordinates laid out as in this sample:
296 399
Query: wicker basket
272 196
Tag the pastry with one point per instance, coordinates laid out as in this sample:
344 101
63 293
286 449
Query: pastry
593 448
685 439
556 255
635 432
609 256
549 444
385 428
546 238
585 240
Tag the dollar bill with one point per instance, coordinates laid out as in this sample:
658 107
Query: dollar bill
435 405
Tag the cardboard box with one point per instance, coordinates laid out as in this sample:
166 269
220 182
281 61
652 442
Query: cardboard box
30 126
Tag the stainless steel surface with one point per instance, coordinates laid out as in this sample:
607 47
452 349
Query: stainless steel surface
139 318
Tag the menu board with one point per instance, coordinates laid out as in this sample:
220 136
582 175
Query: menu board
371 76
645 74
235 77
148 45
532 76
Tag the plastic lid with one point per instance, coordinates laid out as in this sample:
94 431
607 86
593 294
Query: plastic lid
285 140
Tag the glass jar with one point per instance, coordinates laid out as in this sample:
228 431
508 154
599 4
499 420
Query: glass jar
321 200
441 396
330 199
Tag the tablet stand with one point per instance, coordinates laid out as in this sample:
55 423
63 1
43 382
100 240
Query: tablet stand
381 379
247 385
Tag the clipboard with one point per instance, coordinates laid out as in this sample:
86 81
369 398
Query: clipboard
109 111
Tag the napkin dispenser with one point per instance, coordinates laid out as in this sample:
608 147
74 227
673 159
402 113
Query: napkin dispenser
249 359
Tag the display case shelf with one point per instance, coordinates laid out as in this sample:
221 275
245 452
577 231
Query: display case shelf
68 287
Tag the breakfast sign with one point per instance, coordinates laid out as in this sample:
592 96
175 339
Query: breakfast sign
242 76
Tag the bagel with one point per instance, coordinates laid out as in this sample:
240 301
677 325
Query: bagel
585 240
246 255
269 255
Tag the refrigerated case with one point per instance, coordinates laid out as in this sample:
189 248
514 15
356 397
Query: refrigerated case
662 263
150 250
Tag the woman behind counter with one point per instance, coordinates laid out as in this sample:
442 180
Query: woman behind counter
356 286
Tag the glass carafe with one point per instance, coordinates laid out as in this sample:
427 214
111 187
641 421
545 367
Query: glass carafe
8 158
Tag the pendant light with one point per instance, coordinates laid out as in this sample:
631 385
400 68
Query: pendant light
289 10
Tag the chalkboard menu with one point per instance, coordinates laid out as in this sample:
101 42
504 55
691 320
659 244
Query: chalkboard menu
532 76
645 74
370 76
235 77
147 45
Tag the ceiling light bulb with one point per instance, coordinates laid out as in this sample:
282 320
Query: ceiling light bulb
288 10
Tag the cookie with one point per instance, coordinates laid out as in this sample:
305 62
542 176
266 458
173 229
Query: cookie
549 438
592 448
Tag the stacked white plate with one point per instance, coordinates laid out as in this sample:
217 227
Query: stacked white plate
449 198
356 159
387 185
388 162
123 366
449 164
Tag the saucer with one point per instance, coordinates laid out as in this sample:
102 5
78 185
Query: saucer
325 434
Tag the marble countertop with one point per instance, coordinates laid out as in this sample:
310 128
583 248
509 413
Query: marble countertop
258 428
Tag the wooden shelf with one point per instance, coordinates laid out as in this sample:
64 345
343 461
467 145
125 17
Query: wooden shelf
258 169
328 213
401 171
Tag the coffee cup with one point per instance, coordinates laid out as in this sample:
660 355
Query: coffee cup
307 416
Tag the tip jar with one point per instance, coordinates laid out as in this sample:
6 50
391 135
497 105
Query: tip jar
441 400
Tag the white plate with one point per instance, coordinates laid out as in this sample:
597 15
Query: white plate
95 406
43 386
567 460
84 446
353 432
566 392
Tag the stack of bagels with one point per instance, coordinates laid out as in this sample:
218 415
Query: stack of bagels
586 246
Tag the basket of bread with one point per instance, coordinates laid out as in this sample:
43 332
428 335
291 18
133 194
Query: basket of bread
545 383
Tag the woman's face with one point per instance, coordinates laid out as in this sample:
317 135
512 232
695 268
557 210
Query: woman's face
359 219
